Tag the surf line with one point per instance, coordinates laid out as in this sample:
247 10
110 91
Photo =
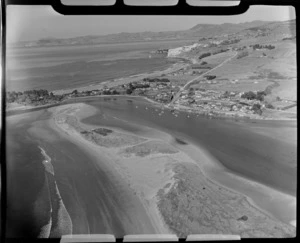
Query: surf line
60 218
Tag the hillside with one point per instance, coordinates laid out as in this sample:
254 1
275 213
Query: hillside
194 33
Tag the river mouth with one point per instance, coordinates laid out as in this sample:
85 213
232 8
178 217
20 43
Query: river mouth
187 131
107 207
255 158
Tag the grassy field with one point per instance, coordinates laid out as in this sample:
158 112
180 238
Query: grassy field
256 72
195 205
218 58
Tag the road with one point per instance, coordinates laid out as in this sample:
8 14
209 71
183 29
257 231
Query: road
177 95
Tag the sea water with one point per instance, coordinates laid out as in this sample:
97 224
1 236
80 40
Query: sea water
61 67
259 165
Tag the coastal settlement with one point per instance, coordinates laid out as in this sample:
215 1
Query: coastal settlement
220 76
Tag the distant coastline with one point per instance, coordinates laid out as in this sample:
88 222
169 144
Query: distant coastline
23 44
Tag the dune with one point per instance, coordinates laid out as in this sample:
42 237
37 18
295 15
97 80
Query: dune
170 182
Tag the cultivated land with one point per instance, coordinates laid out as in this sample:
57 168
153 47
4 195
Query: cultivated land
172 187
248 72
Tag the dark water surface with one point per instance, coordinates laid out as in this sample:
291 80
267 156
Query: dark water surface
256 150
263 151
62 67
96 201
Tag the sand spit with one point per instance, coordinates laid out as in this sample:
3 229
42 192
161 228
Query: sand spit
196 204
142 177
177 195
60 222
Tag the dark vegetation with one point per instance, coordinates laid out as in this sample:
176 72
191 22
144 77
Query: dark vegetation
210 77
110 92
229 42
242 54
243 218
220 51
254 96
207 54
289 38
269 106
180 141
257 47
85 132
102 131
151 80
133 86
33 97
241 48
257 109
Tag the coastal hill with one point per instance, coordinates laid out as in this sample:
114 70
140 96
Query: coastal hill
194 33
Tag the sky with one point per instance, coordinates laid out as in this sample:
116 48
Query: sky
35 22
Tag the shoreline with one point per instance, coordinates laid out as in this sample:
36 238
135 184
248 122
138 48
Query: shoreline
111 162
128 79
152 208
110 83
214 170
155 103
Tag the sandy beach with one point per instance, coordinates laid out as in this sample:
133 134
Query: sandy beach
173 189
132 170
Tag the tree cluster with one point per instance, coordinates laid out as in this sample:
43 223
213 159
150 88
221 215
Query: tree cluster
228 42
242 54
210 77
289 38
257 46
220 51
152 80
33 97
254 96
257 109
133 86
207 54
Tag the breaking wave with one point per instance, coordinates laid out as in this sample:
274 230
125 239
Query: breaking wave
49 202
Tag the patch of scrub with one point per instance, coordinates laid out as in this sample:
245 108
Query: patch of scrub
111 139
149 147
180 141
196 205
103 131
68 120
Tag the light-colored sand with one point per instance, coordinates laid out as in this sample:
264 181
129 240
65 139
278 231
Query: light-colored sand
145 166
145 175
264 198
16 106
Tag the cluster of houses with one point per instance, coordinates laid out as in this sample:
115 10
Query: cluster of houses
218 101
160 90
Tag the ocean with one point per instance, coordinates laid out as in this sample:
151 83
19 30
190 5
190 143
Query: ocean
61 67
260 151
96 202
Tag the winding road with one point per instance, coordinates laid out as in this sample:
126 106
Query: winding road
177 95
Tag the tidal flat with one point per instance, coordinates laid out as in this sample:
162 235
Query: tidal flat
140 179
